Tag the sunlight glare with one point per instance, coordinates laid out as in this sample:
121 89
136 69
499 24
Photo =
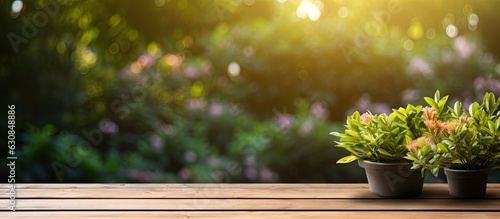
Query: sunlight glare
309 10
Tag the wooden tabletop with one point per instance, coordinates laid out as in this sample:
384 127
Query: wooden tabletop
57 201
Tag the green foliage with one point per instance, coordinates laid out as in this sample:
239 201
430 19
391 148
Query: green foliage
379 137
459 138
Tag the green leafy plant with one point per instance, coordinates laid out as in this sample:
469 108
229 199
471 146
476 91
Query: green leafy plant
380 137
458 138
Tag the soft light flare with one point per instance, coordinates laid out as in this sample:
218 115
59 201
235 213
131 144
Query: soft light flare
310 10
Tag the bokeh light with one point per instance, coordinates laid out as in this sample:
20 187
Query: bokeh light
408 44
343 12
309 9
17 6
233 69
451 30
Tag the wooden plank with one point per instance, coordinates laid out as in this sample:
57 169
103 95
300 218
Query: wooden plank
247 215
215 191
257 204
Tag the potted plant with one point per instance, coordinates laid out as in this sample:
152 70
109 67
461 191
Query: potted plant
377 142
466 143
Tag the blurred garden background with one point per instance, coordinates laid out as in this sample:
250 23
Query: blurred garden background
225 90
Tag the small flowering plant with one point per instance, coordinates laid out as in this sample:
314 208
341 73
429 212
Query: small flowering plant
457 138
380 137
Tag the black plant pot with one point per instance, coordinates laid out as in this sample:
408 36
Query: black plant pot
393 180
467 183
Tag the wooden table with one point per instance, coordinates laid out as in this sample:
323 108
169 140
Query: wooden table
58 201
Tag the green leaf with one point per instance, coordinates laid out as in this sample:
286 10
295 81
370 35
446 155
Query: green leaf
457 108
384 152
411 158
473 109
347 159
351 133
442 102
431 102
336 134
491 125
442 147
435 171
437 96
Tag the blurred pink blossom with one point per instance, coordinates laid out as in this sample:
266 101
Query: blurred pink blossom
190 156
216 109
146 60
250 160
196 104
157 142
143 175
185 174
108 126
251 173
306 128
421 67
191 72
487 84
463 47
266 174
285 121
364 104
410 95
319 110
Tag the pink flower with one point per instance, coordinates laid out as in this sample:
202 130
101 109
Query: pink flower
364 104
266 174
191 72
190 156
422 67
463 47
251 173
157 142
319 110
250 160
306 128
430 113
143 175
196 104
410 95
216 109
185 174
108 126
366 118
415 144
285 121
